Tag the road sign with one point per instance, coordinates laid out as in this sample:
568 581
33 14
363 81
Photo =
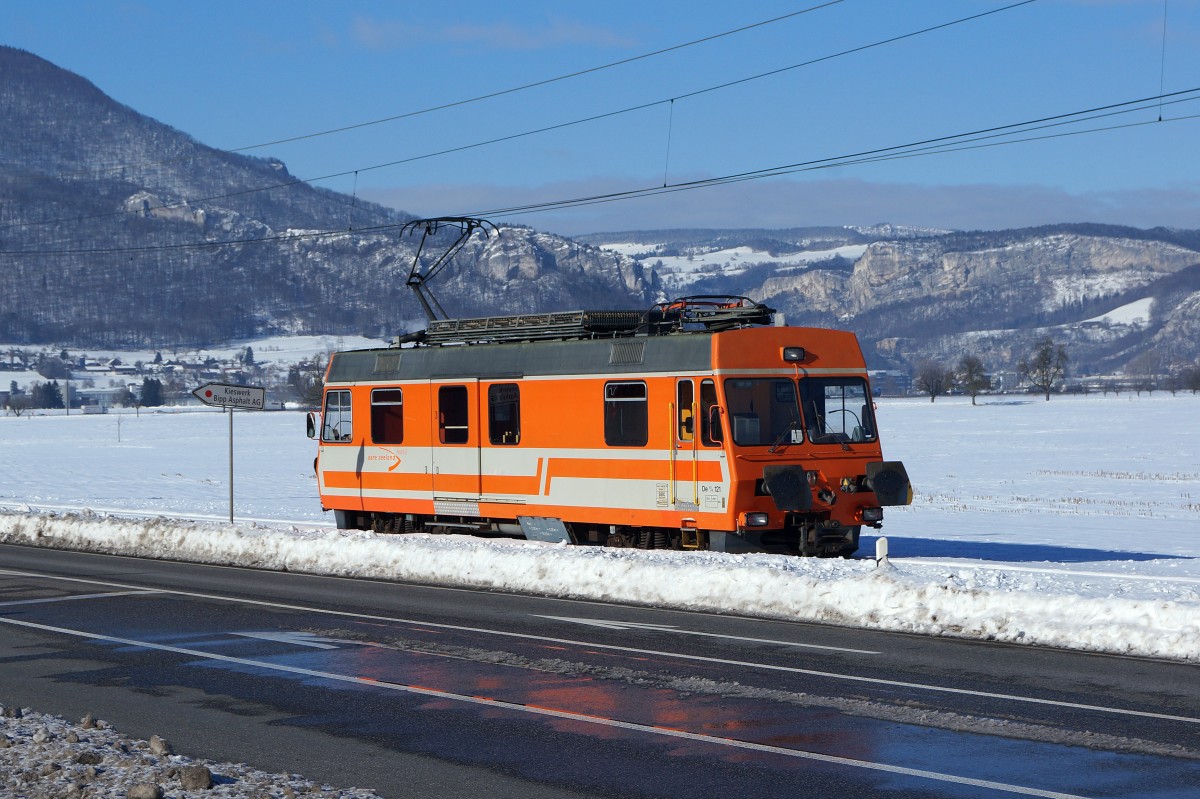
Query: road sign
228 396
251 398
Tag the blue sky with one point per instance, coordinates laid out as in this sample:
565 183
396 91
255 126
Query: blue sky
239 74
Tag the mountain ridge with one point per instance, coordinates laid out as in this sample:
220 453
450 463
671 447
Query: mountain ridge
938 295
118 230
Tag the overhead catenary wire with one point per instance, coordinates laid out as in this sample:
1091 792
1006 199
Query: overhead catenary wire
935 146
500 213
561 125
721 181
490 95
932 146
1162 66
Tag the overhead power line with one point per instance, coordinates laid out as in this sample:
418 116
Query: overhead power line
934 146
984 137
544 82
489 95
559 125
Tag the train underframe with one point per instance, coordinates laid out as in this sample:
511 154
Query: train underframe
807 534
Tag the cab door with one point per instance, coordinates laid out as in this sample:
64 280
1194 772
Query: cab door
342 452
684 466
456 439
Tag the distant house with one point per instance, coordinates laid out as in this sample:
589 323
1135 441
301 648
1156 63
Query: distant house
1003 381
890 382
102 398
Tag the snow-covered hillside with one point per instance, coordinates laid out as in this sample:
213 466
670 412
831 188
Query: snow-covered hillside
1069 523
678 272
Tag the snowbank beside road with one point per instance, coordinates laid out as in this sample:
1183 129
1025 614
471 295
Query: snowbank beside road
1103 612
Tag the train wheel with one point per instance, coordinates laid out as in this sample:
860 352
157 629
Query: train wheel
618 540
387 524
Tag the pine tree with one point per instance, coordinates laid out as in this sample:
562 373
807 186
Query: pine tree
152 392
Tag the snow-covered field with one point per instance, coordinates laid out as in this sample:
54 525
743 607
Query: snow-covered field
1073 523
277 352
273 349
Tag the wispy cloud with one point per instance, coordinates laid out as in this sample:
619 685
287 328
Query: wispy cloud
386 34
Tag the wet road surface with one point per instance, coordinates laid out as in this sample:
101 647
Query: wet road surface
415 690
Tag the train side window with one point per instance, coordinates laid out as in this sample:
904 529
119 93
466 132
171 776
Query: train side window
387 416
626 415
337 419
685 410
453 415
710 421
504 413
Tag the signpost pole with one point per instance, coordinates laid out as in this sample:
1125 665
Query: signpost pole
230 411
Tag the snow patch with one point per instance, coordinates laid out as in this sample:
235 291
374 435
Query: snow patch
1136 313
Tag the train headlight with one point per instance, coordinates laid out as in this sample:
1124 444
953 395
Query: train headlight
757 520
871 515
793 354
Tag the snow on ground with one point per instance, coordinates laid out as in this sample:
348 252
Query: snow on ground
632 249
279 350
1136 312
679 271
1072 523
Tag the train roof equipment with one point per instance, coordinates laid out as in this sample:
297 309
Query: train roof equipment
700 313
418 280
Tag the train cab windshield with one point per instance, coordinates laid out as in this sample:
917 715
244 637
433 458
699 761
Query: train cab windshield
770 412
837 410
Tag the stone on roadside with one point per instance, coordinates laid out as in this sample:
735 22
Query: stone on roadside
195 778
144 790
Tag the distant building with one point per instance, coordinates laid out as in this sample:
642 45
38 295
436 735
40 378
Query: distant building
890 383
102 398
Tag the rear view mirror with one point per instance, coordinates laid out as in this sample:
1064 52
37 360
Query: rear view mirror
313 424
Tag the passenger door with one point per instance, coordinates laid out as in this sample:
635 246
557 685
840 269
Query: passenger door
456 432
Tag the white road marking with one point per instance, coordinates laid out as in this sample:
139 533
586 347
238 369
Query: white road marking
633 650
668 628
77 596
294 637
561 714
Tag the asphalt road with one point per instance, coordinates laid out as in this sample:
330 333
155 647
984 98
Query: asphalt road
424 691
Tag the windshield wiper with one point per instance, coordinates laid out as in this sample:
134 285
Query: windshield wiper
790 427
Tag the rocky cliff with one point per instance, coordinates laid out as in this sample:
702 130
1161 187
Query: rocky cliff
1109 293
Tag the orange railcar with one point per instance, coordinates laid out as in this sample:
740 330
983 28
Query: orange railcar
697 428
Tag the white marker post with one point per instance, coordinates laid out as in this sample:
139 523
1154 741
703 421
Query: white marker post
228 397
881 552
